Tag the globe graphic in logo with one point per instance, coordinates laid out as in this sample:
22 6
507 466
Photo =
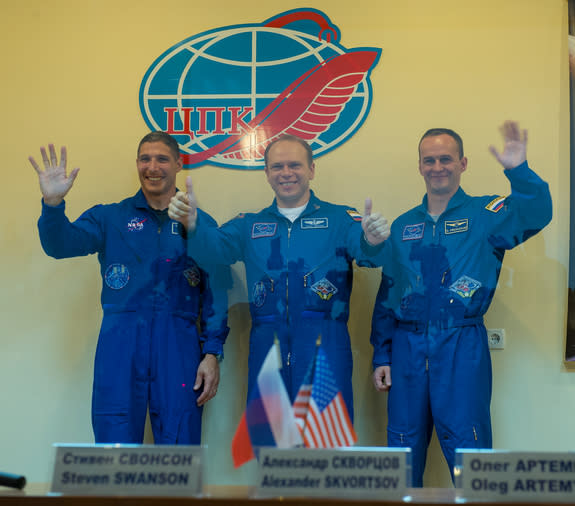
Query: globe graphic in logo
227 93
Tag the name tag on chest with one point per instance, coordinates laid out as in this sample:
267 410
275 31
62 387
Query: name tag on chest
457 226
307 223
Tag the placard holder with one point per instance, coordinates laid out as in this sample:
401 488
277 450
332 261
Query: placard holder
501 475
351 472
146 470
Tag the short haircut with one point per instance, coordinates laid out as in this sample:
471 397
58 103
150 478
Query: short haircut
292 138
164 137
433 132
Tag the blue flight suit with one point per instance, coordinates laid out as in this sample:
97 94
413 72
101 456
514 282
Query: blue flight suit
437 283
299 280
162 313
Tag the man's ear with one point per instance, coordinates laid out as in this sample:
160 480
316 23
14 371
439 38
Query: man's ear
312 170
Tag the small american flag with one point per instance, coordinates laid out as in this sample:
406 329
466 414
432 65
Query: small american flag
320 411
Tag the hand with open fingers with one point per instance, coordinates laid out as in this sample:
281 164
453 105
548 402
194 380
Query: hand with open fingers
382 378
208 375
514 145
375 226
55 183
183 207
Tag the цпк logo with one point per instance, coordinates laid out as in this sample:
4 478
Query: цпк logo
226 93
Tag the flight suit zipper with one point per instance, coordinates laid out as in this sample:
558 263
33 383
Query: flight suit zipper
289 227
288 357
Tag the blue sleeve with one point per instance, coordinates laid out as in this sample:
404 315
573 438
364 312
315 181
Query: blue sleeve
383 325
212 245
359 249
214 302
214 316
62 239
523 213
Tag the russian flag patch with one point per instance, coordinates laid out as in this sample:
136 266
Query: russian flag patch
354 214
496 204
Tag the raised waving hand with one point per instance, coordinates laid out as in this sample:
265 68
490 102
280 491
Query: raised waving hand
514 145
55 183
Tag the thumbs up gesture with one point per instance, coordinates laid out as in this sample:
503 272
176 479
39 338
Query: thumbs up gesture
184 207
375 226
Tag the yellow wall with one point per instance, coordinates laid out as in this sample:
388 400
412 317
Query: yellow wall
71 74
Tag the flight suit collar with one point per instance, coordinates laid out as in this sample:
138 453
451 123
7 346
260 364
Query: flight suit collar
140 202
457 200
313 205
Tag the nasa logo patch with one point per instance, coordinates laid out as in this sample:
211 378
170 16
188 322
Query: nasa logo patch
136 224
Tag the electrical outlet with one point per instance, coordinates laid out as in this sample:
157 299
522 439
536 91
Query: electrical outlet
496 338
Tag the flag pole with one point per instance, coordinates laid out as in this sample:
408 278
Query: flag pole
304 425
277 345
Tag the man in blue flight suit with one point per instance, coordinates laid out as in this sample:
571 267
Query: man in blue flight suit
298 255
164 322
442 263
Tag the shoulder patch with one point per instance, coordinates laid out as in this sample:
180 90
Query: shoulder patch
355 216
259 294
263 230
324 288
496 204
117 276
413 232
193 276
465 286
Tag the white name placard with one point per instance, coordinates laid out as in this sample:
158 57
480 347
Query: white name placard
525 476
128 470
360 473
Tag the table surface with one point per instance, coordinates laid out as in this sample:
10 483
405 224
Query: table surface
37 494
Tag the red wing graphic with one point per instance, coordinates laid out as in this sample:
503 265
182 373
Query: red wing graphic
306 108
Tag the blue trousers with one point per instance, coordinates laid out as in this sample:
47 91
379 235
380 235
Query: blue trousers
146 360
440 378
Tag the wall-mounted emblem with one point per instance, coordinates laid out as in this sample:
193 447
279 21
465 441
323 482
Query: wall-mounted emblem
226 93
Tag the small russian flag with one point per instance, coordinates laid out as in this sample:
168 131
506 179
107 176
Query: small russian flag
269 418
